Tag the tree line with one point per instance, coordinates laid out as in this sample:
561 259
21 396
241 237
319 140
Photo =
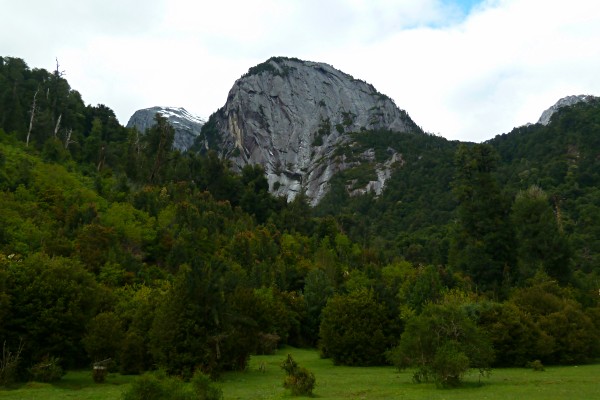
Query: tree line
115 245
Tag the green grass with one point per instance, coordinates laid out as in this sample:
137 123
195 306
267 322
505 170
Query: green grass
74 385
335 382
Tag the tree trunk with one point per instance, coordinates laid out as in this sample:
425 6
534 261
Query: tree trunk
32 116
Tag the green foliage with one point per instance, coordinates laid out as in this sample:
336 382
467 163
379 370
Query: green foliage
194 326
112 244
442 343
300 380
536 365
132 354
483 241
420 286
540 243
272 66
204 388
104 336
256 199
158 386
348 118
353 329
52 299
570 333
47 370
515 336
318 288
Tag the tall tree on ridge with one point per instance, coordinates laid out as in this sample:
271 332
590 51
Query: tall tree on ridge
482 244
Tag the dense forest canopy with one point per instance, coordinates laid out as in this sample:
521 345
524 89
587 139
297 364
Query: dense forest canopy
115 245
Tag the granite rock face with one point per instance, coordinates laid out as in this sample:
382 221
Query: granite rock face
564 102
187 126
290 116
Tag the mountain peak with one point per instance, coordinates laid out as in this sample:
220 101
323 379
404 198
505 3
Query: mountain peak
564 102
187 126
290 115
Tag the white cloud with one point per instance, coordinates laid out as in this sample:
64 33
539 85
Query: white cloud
468 78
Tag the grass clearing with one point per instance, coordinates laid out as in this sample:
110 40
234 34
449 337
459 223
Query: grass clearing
337 382
264 380
74 385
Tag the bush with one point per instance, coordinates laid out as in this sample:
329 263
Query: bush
353 329
47 370
133 354
536 365
147 387
442 343
104 336
300 380
159 386
204 387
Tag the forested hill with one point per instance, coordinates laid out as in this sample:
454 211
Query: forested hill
414 213
114 244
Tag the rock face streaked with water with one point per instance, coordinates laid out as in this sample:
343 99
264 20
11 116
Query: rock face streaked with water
290 115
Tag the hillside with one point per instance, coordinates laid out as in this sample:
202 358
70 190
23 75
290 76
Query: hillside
116 244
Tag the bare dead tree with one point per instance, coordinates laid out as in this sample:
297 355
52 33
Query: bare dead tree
68 140
57 72
57 127
101 158
33 105
8 362
57 75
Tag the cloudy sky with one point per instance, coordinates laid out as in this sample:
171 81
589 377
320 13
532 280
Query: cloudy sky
463 69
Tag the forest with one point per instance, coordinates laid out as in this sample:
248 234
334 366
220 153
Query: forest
115 246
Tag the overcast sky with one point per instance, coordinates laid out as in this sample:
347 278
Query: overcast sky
463 69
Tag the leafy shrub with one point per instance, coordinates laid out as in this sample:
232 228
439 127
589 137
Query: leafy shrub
204 387
442 343
159 386
300 380
353 329
133 354
154 386
47 370
104 336
318 140
536 365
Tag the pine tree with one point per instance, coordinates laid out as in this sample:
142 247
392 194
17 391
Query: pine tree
482 243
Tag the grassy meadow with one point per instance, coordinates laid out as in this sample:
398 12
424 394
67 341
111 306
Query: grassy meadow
264 378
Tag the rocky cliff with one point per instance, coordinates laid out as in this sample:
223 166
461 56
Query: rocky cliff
290 116
564 102
187 126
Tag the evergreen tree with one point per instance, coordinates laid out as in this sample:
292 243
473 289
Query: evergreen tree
442 343
353 329
540 243
482 243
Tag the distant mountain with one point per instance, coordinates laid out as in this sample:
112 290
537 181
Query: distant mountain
564 102
290 116
187 126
